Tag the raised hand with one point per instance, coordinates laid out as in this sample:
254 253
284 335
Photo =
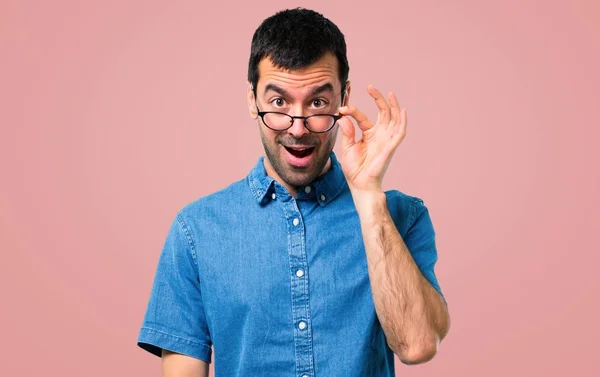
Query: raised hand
365 161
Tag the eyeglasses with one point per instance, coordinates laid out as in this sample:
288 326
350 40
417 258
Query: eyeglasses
318 123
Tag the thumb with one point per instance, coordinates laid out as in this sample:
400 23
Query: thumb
347 128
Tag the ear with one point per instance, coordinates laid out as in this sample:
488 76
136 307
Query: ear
347 95
251 102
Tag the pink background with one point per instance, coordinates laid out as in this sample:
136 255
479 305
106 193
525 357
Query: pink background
116 114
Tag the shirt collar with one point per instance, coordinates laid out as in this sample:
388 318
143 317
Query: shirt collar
323 188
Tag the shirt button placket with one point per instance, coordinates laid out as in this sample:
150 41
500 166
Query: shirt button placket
300 298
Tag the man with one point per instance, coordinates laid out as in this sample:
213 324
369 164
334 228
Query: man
305 267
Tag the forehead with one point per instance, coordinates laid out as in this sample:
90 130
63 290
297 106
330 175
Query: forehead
320 72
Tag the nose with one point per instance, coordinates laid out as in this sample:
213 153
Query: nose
297 129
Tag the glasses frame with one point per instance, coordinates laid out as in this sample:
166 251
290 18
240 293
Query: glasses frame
262 114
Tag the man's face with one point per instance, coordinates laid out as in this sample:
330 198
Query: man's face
315 89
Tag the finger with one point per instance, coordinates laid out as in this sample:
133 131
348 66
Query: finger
347 128
403 122
399 130
361 119
383 117
395 109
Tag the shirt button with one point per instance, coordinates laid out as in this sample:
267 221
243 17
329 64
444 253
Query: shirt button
273 196
300 273
307 189
296 221
302 325
322 197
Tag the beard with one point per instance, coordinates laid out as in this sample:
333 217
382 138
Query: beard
292 175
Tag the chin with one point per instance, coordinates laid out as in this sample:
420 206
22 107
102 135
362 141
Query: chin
302 176
299 182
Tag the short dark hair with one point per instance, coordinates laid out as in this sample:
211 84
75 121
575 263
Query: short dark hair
294 39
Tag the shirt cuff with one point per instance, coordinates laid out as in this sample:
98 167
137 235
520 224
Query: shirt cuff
155 341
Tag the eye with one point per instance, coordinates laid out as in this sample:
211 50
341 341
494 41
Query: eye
319 103
277 102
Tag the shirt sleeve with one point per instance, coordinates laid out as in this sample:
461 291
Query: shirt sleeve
420 241
175 319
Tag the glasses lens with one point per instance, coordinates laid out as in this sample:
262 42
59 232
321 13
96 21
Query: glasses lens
277 121
320 123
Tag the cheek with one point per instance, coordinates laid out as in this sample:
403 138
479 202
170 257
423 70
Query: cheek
268 136
328 138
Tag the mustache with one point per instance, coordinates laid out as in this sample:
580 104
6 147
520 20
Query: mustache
294 141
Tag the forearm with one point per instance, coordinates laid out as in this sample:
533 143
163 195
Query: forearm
411 312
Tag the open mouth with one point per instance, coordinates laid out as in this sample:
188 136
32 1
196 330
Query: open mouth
300 152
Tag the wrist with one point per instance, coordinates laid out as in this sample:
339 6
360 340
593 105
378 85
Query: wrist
367 202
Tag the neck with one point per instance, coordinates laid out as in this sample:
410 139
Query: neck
291 189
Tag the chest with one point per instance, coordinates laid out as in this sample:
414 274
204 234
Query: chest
285 262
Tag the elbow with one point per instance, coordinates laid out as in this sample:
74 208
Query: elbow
424 350
416 354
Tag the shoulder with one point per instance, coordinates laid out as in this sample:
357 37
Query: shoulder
233 193
404 208
400 200
216 208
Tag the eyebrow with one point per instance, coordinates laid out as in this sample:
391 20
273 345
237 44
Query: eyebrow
327 87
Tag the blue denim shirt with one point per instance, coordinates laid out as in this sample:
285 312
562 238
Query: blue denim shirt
278 285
